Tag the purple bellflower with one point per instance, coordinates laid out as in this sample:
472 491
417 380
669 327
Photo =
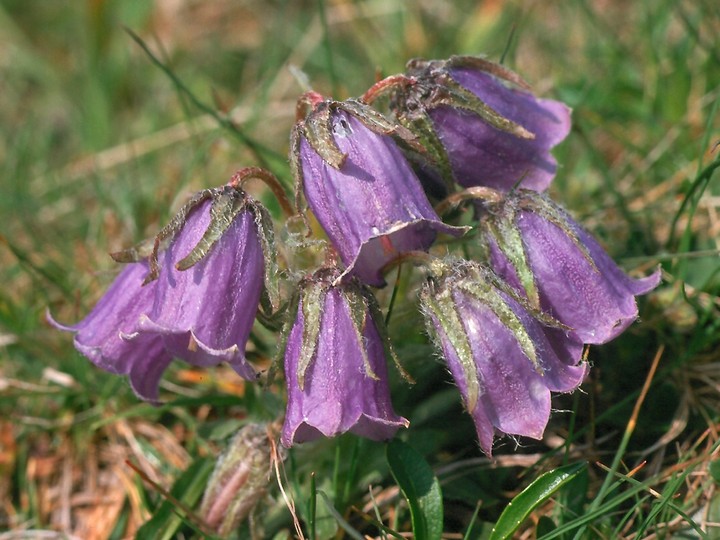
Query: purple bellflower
195 297
505 358
98 336
335 364
483 124
210 281
361 188
539 249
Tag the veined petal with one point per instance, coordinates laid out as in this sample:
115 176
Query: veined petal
372 207
338 395
514 389
494 131
100 336
205 313
582 288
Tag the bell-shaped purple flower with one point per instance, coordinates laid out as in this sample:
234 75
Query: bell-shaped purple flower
361 188
210 281
538 248
335 365
194 298
504 359
484 125
99 335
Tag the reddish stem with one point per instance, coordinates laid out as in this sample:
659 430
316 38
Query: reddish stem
243 175
380 87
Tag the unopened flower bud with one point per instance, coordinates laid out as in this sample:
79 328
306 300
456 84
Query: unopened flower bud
239 481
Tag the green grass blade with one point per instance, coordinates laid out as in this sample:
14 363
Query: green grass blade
420 487
531 497
340 520
187 490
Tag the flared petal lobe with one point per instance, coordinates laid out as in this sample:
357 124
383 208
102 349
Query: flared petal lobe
373 207
482 155
338 392
577 281
99 336
205 313
504 361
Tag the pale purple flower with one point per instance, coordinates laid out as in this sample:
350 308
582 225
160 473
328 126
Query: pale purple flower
205 313
195 298
482 155
99 335
335 366
362 189
568 272
482 123
504 360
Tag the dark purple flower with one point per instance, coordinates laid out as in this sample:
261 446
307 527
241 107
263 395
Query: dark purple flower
504 360
99 335
538 248
486 128
362 189
210 283
335 366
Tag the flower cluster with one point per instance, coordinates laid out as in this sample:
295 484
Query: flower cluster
511 323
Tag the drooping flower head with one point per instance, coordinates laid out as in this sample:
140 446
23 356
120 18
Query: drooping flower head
537 247
361 188
484 126
210 279
505 357
194 295
335 364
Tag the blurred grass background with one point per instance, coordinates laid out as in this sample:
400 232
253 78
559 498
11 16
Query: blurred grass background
99 146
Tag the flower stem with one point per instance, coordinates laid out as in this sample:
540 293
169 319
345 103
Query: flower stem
470 194
243 175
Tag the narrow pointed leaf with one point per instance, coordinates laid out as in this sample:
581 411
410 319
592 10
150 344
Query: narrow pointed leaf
440 306
531 497
420 487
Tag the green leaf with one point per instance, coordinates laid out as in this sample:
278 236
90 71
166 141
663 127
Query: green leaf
187 489
420 488
531 497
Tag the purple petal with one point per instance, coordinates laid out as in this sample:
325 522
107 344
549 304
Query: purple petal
597 303
372 209
517 366
148 360
515 399
98 336
338 395
481 155
101 335
206 313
